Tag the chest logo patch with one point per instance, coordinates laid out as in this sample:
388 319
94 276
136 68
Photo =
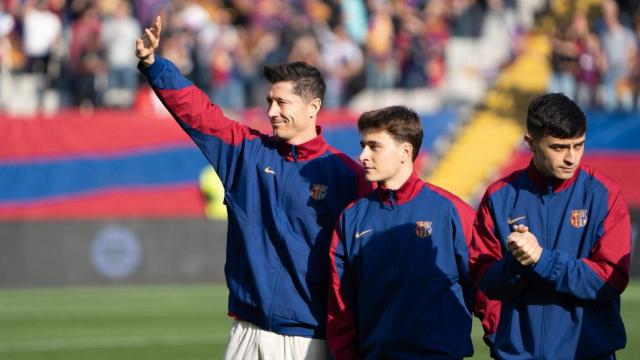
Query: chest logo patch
318 191
423 228
579 218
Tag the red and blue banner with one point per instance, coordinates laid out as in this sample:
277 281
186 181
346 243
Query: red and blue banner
612 147
128 164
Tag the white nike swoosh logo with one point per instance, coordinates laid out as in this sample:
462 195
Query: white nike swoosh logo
269 171
511 221
361 233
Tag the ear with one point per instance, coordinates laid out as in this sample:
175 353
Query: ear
314 107
407 152
529 141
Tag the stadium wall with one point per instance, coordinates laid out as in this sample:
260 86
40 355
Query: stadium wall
78 253
158 251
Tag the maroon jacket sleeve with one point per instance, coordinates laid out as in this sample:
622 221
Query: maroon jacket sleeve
341 322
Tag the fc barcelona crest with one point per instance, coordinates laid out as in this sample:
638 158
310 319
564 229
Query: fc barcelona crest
318 192
423 228
578 218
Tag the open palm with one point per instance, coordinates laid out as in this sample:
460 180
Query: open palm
149 41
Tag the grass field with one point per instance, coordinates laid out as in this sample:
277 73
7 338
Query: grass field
169 322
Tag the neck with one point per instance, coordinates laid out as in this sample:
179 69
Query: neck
396 181
303 136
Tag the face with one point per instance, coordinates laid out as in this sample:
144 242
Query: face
554 157
292 119
383 158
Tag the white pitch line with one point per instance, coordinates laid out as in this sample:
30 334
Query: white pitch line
101 343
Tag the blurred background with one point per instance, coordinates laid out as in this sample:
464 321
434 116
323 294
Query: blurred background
112 228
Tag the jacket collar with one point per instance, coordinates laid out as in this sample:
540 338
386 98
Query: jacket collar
405 193
543 182
305 151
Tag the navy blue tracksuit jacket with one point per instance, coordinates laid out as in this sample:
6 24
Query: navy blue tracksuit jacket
566 306
400 286
282 200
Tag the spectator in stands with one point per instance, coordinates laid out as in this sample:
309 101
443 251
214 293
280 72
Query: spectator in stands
41 34
590 64
342 60
564 60
436 36
354 18
7 24
410 50
620 49
467 19
42 30
118 32
228 63
499 34
305 48
381 67
86 59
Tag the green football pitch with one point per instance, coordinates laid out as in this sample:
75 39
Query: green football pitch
160 322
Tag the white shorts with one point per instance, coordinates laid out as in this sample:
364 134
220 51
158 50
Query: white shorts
249 342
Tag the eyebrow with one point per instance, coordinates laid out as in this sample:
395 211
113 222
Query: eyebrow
568 145
276 99
370 142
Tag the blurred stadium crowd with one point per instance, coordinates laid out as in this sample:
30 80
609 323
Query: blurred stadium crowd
79 53
57 53
595 58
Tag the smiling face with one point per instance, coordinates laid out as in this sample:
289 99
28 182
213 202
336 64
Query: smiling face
293 120
555 157
385 159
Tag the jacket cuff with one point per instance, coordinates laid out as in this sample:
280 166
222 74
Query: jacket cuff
154 70
544 266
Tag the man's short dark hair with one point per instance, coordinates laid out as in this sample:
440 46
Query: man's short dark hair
555 115
307 80
402 123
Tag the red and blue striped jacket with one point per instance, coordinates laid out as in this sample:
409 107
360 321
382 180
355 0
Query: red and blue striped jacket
400 287
282 200
566 306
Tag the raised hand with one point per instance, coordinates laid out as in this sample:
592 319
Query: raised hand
148 42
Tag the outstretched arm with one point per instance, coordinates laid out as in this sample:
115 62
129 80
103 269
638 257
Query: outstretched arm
218 137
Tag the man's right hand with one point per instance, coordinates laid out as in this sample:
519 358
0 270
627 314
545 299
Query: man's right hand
147 44
524 245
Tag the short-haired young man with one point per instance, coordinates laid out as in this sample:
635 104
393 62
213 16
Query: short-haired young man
552 243
283 195
399 263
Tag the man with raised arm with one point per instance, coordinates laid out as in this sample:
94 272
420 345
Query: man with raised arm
283 194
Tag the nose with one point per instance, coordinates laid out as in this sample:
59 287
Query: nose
569 156
364 155
273 110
